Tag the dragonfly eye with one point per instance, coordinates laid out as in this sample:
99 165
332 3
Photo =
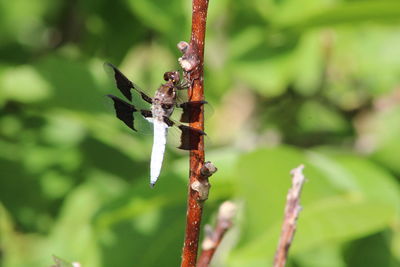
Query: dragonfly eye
172 76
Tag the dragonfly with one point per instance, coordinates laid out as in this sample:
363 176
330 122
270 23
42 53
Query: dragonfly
162 106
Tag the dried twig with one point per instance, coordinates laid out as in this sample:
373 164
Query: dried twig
192 63
292 211
213 238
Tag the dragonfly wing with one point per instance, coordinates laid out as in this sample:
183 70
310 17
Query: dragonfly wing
137 120
191 111
189 136
124 84
124 111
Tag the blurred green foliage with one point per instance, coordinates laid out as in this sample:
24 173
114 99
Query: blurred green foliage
290 81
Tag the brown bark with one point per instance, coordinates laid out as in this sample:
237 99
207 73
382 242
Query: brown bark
198 183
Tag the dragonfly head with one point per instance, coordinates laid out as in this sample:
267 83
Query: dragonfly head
172 76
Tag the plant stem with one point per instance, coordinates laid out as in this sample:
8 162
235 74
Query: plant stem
292 210
214 237
196 93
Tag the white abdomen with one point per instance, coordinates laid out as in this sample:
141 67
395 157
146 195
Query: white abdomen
157 154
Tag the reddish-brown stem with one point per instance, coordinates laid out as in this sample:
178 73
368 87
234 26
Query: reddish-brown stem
198 183
292 210
214 237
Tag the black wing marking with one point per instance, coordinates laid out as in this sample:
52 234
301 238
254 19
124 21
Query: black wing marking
124 111
191 111
145 97
125 85
190 137
169 122
146 113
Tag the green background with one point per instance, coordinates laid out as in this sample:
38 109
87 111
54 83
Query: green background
289 81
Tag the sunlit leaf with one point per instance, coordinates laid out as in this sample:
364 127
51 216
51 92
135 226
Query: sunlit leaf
24 84
343 214
348 12
63 263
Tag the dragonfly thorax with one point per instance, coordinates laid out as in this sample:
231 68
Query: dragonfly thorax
164 101
159 111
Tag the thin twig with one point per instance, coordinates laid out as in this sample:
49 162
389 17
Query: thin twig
198 183
213 238
292 211
60 263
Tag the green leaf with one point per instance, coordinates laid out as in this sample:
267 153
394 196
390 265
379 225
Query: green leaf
268 76
327 255
349 12
342 200
340 219
63 263
73 84
246 40
314 116
309 63
371 251
159 15
14 244
31 86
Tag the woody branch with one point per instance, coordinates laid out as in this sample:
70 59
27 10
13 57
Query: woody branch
292 210
192 63
214 237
